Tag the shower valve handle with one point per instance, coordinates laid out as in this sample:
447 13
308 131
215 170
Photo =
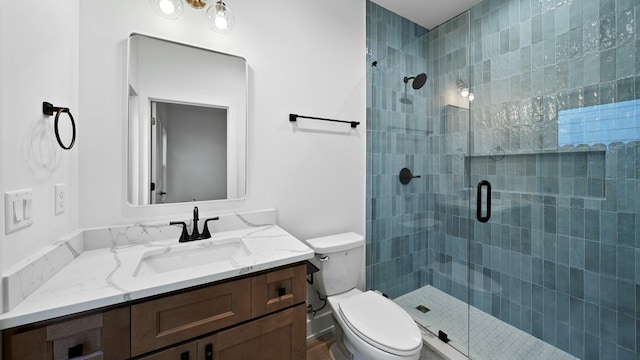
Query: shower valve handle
406 176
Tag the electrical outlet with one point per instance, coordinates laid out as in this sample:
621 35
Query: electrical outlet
17 210
61 198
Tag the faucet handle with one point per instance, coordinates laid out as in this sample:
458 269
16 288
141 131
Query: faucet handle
195 234
184 237
205 233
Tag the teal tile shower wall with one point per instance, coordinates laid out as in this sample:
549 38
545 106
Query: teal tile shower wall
561 257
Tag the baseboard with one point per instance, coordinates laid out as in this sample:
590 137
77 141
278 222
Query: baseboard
319 324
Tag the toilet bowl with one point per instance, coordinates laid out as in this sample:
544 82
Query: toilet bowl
368 325
375 327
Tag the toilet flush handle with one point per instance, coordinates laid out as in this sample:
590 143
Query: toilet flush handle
324 258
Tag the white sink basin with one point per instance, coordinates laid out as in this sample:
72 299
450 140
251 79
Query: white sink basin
198 253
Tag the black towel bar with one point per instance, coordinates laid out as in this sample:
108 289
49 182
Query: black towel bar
294 117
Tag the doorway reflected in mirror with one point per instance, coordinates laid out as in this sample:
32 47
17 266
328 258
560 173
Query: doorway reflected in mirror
188 153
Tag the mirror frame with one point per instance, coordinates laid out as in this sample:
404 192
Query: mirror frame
127 128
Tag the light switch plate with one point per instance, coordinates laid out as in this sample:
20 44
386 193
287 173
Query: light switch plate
14 210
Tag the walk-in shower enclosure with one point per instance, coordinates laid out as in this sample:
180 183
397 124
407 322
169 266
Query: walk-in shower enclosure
551 138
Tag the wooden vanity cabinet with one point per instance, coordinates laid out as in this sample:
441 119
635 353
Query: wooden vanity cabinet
103 335
262 316
279 336
278 289
171 319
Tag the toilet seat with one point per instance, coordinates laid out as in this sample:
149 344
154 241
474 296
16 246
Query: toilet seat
381 323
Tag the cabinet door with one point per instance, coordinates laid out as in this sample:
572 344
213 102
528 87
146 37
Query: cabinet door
278 289
280 336
171 319
97 336
186 351
30 344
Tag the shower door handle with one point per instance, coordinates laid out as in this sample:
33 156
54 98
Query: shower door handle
483 184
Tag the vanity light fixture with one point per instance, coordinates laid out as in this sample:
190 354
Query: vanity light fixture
220 18
168 9
465 92
219 15
197 4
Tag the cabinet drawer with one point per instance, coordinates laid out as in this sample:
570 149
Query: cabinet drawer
76 338
279 336
98 336
278 289
171 319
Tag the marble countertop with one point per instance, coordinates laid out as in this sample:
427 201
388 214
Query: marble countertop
106 276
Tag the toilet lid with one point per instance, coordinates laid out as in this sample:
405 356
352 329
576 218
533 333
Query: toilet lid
381 322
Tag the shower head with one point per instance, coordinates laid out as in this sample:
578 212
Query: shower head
418 80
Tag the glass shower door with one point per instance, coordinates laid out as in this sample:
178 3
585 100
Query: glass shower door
448 118
555 132
417 247
419 230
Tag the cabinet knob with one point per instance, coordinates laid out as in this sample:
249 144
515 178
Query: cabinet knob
282 291
184 356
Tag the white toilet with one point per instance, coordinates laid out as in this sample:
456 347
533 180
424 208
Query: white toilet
368 325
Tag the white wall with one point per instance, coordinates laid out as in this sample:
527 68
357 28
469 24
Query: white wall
301 62
73 53
39 52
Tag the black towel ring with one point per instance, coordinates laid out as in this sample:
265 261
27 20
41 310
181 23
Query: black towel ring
48 109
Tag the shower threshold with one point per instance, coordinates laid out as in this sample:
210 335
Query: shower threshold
491 338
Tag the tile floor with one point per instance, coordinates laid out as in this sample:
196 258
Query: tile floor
491 338
318 349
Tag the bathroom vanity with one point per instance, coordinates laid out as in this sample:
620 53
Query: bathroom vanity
248 305
261 316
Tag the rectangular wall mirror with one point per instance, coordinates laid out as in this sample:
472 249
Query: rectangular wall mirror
187 123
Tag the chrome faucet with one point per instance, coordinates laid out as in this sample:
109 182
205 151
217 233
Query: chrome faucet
195 234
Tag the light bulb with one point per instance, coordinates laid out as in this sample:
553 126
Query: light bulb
471 96
220 18
220 21
167 7
464 92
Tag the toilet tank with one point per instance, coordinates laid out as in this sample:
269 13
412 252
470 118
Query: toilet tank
339 258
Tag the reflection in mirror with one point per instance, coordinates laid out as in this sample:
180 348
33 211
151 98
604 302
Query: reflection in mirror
187 123
189 131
